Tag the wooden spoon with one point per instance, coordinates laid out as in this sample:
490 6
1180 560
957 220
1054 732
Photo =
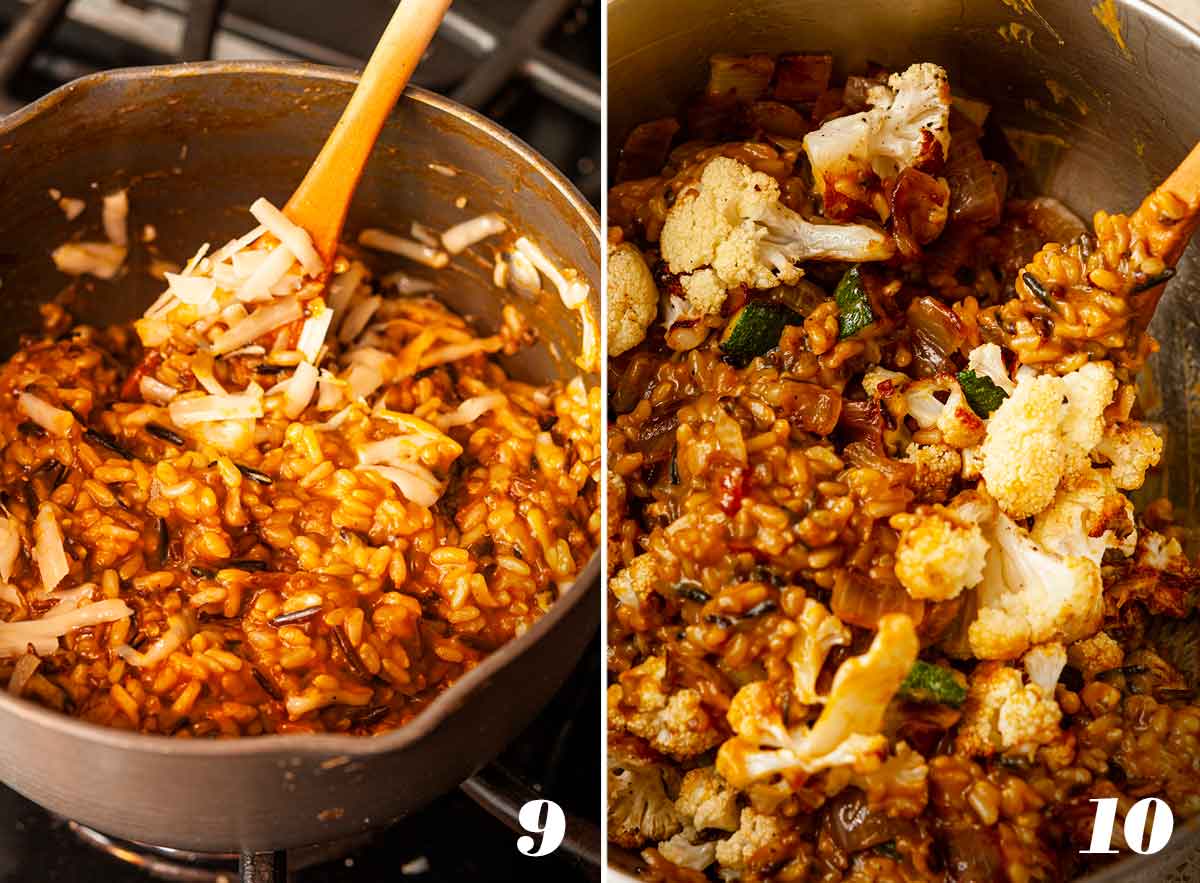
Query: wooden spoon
320 203
1167 218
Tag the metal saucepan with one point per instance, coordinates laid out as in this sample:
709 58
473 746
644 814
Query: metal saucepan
196 144
1115 119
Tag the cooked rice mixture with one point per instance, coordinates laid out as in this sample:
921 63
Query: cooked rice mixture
880 607
272 507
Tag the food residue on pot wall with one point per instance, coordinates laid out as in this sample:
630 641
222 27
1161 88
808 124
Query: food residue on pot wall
1105 12
1015 32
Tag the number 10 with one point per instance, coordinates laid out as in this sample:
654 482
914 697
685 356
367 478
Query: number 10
1135 826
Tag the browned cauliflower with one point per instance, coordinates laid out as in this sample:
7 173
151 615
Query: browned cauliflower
1003 714
1131 448
1042 433
819 632
1095 654
639 803
706 800
937 467
761 841
940 552
847 732
632 298
673 722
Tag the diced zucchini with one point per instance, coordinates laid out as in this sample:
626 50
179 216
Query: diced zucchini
981 392
854 306
755 329
927 682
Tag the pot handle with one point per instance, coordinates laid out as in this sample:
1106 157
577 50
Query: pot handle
262 867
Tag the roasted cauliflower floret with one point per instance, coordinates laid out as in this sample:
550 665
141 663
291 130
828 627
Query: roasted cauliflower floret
632 298
938 402
1044 665
1095 654
987 360
1131 448
1005 715
731 229
675 723
939 554
819 632
760 842
706 801
639 805
637 581
847 732
1160 552
1042 433
1030 595
906 126
1088 516
684 851
937 467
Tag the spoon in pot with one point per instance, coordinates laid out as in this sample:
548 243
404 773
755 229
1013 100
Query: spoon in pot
320 203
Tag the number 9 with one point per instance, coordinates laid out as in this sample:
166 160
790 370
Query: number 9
552 830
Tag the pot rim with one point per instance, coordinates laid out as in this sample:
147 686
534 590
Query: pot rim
583 590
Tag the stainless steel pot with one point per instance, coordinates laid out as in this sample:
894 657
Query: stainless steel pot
196 144
1114 118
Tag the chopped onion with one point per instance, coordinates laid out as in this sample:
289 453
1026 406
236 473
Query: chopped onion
10 547
54 420
194 290
269 272
464 235
396 449
571 290
232 247
300 390
500 272
442 169
258 323
43 634
381 240
292 235
48 551
154 390
10 595
358 317
22 672
337 419
246 263
100 259
71 207
470 410
405 284
343 286
330 392
414 481
115 215
210 408
523 275
362 381
423 234
202 369
168 642
455 351
312 334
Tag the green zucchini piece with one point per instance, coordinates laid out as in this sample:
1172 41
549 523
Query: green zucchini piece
927 682
755 329
854 306
981 392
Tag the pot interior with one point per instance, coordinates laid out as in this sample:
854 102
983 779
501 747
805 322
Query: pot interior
196 144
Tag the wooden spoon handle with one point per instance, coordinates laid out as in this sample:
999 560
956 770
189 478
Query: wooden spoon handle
1170 214
320 203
